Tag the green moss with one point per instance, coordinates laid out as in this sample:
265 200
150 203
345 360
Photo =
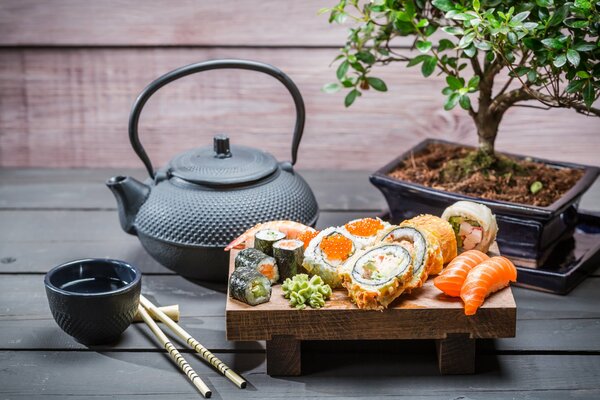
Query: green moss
479 161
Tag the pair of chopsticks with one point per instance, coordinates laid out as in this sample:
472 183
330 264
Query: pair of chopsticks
145 307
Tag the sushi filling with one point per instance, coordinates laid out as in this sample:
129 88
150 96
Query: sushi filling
267 268
257 292
412 241
270 235
381 265
469 233
365 227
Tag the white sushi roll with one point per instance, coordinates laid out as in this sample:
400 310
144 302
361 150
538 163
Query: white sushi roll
474 225
376 276
326 252
364 231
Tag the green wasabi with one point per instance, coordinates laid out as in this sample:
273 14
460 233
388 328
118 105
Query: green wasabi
302 291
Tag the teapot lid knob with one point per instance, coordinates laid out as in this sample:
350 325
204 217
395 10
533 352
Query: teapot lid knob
221 146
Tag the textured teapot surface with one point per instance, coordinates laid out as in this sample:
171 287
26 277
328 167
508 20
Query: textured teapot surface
189 214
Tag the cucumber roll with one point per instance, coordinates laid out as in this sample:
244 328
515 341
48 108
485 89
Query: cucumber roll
289 255
259 261
328 250
265 238
474 225
423 247
250 286
377 276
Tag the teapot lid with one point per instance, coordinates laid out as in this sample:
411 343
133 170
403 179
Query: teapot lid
223 164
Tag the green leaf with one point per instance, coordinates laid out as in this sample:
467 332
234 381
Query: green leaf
447 91
583 4
560 60
423 47
588 95
402 16
466 40
536 187
422 23
417 60
377 84
465 102
428 66
520 17
532 76
470 51
583 74
584 46
451 101
358 67
573 57
474 82
453 30
445 44
444 5
512 37
350 97
533 44
453 82
559 15
482 45
342 70
331 87
544 3
574 86
576 24
476 5
366 57
553 43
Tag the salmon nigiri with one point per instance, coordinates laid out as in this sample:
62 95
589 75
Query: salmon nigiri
453 276
486 278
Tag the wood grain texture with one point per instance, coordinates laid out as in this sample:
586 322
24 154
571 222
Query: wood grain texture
69 108
284 356
167 23
456 354
425 313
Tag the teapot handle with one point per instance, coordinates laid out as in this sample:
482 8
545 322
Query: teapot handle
141 100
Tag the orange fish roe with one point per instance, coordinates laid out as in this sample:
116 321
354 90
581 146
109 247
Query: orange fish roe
336 247
364 227
307 236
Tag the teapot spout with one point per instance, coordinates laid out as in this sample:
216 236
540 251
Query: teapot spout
130 194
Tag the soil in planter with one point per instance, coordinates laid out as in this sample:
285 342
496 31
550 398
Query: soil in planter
457 169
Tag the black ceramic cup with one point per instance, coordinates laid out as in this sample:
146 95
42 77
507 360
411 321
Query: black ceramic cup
94 300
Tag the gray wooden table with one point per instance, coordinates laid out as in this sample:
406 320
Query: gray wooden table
51 216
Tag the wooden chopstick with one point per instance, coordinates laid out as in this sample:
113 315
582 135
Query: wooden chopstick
194 344
175 355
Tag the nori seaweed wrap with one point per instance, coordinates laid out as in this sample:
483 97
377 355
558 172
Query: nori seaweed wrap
250 286
259 261
289 254
265 238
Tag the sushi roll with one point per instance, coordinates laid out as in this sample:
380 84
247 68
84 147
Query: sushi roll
250 286
259 261
376 276
265 238
364 231
288 255
328 250
441 229
423 247
473 224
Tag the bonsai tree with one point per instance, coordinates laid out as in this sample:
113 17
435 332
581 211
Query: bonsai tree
548 48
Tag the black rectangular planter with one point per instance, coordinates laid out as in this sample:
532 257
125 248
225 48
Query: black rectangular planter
527 234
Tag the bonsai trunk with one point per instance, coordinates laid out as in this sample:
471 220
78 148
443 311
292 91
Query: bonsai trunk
487 125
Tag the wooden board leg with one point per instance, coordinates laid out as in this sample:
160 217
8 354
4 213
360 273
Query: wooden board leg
283 356
456 354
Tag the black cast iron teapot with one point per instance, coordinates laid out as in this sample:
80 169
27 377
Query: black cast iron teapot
189 210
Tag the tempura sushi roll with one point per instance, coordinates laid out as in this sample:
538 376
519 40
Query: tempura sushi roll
441 229
265 238
288 254
376 276
259 261
423 247
473 224
364 231
328 250
250 286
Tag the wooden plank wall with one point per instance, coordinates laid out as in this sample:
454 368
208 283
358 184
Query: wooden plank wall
70 70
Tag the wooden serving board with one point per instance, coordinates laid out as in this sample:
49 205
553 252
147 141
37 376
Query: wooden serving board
426 313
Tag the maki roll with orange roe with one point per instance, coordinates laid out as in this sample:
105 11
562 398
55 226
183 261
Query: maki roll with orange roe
326 252
364 231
